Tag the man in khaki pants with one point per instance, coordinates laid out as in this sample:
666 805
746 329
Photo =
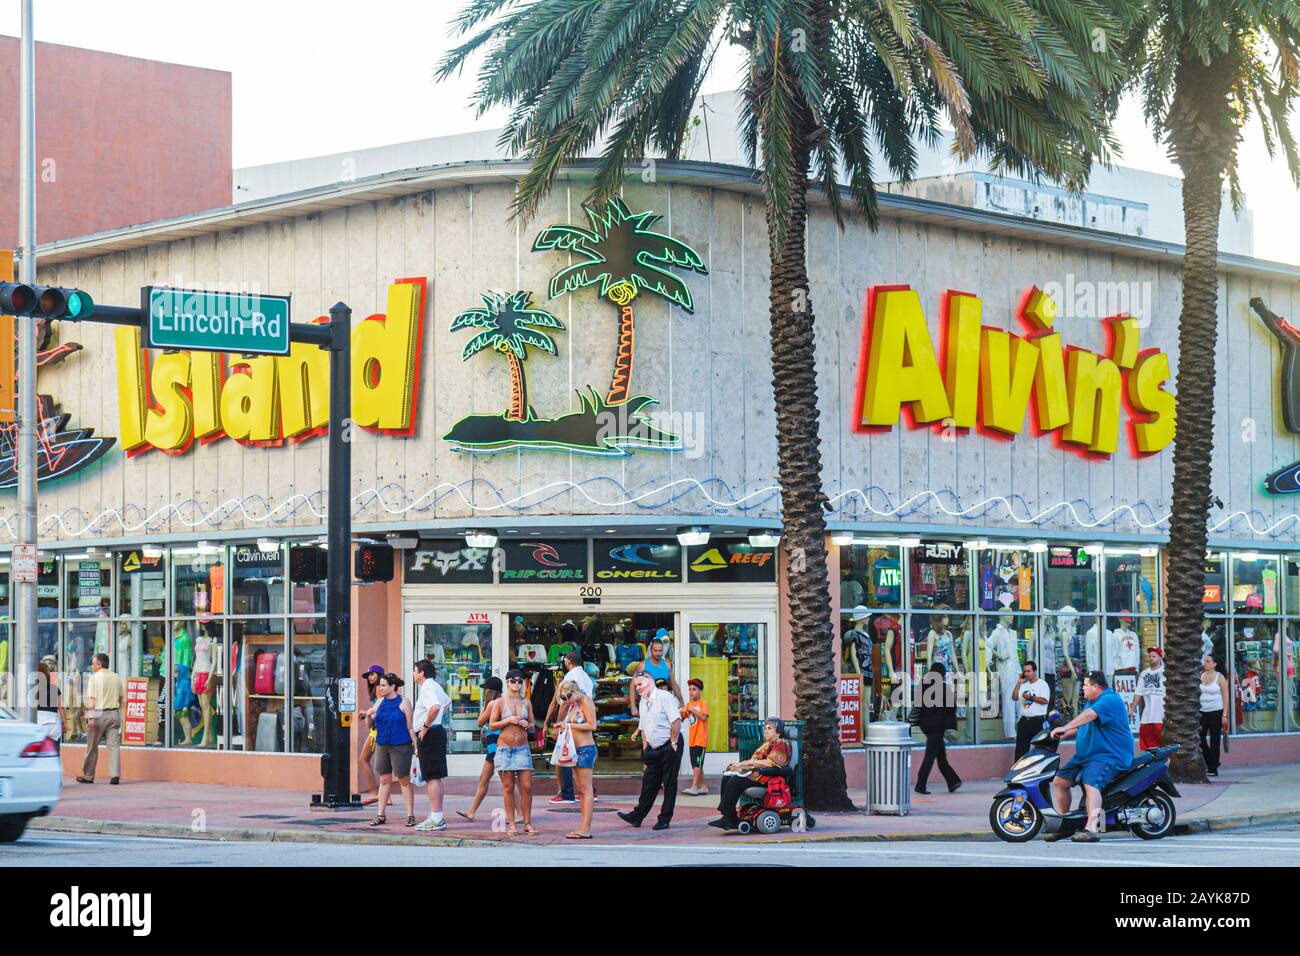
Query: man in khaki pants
104 717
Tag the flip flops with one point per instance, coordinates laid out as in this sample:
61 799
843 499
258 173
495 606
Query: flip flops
575 835
379 821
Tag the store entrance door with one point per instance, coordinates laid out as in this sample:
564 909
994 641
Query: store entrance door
729 654
460 646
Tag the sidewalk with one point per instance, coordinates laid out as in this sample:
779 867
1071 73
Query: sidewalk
1241 797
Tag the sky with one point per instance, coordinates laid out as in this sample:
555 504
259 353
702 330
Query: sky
325 76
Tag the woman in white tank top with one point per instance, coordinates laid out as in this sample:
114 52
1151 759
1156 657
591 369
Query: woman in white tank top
1214 714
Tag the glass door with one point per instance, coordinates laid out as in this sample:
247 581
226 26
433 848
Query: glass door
731 656
460 647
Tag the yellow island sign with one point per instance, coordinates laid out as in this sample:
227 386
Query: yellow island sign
990 379
167 400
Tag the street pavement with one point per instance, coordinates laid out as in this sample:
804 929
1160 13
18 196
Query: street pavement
1241 796
1255 847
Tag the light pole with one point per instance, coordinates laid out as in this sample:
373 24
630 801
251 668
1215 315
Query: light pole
24 619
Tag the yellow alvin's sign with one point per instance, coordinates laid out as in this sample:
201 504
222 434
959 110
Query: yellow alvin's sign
168 400
984 378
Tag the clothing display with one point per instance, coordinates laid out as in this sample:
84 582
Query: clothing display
1004 661
1126 651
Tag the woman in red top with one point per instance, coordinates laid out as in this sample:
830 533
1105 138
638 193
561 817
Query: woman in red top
773 752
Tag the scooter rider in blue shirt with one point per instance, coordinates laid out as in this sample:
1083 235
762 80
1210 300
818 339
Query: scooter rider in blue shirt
1103 751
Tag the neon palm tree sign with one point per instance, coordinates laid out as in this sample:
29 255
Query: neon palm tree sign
510 328
622 256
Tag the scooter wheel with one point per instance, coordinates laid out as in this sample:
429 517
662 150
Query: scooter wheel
768 822
1011 828
744 826
1156 800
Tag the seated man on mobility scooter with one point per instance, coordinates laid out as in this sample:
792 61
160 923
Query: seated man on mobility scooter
1104 750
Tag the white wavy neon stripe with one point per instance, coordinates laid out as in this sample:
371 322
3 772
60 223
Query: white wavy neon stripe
256 509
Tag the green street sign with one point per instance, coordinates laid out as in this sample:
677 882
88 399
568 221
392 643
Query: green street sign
215 321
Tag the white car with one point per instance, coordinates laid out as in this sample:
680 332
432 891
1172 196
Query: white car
31 774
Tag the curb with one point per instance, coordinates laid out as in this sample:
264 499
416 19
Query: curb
178 831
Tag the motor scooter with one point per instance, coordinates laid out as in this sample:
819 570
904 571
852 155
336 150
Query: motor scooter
1140 798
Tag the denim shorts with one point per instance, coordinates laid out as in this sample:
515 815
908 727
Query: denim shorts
1090 773
586 757
514 758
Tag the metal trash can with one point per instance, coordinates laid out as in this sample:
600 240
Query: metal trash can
889 768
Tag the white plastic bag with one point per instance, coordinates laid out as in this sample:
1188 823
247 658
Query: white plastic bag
417 778
565 753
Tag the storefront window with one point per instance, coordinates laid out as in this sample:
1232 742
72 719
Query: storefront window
870 576
198 704
82 640
1069 580
943 638
47 588
258 587
1006 641
307 731
1066 643
140 659
1254 586
199 579
872 645
940 576
1214 599
257 654
1132 583
729 659
1004 580
463 655
88 587
1256 688
141 585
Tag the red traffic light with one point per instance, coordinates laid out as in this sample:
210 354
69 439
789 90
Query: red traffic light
16 298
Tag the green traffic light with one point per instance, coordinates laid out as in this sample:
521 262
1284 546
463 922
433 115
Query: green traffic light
79 305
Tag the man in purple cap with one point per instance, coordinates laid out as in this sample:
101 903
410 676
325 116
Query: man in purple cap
365 766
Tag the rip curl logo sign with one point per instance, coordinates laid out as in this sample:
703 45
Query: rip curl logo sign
75 910
1284 481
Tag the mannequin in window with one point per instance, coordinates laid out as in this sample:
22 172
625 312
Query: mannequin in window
1126 649
887 631
1004 661
1094 639
183 696
940 646
1207 639
204 682
855 643
1065 644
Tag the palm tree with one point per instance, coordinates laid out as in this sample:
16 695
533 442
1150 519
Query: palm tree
1204 68
831 88
623 255
509 327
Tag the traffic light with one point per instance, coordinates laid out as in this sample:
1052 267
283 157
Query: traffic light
373 562
44 301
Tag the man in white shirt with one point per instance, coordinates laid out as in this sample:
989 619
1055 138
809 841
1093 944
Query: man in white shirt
1149 697
660 729
432 709
1031 695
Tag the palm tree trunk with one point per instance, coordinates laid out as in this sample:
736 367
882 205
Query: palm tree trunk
794 378
518 390
621 384
1203 138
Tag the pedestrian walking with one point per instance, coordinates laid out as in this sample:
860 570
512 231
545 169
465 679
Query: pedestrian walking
573 670
429 718
696 715
492 689
578 715
512 716
1214 713
659 727
366 758
1031 695
49 704
103 701
1149 701
394 748
935 715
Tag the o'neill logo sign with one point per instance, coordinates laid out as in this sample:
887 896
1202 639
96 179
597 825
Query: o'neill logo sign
990 379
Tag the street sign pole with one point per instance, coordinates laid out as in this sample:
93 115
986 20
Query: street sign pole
25 594
336 765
